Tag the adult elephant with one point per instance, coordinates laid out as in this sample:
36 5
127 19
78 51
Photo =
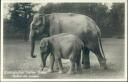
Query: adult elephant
80 25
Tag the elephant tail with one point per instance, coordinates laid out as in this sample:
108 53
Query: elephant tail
100 47
99 41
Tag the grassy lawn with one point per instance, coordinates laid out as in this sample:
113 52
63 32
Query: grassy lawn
19 64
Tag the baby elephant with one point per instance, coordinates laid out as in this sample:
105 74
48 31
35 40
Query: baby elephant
65 46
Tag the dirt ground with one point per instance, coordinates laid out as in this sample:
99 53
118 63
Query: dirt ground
19 64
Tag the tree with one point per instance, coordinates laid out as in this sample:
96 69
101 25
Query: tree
20 17
117 19
111 23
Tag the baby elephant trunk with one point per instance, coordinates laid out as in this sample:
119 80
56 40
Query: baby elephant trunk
43 66
44 62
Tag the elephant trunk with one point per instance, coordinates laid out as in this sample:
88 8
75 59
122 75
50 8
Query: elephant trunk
32 41
44 62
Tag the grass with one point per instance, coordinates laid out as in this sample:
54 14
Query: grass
19 64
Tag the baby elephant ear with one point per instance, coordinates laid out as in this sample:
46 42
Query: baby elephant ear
41 43
44 43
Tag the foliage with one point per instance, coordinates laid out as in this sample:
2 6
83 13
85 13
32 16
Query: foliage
111 22
117 21
21 16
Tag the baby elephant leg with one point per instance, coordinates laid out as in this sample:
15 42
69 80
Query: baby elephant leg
60 65
72 67
56 67
50 70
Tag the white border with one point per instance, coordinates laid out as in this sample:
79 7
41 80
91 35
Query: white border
74 1
90 1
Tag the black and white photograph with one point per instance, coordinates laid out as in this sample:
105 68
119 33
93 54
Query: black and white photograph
63 41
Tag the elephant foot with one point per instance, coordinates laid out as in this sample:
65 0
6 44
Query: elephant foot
50 71
33 56
61 72
56 68
85 66
103 67
79 70
42 69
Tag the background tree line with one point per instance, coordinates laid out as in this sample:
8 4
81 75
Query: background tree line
110 21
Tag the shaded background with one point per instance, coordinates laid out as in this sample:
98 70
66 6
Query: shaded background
108 16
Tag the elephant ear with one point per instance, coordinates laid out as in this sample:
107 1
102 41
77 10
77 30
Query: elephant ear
42 18
44 43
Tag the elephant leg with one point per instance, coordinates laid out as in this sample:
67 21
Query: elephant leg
60 65
56 67
72 67
78 64
85 58
42 65
101 57
52 60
